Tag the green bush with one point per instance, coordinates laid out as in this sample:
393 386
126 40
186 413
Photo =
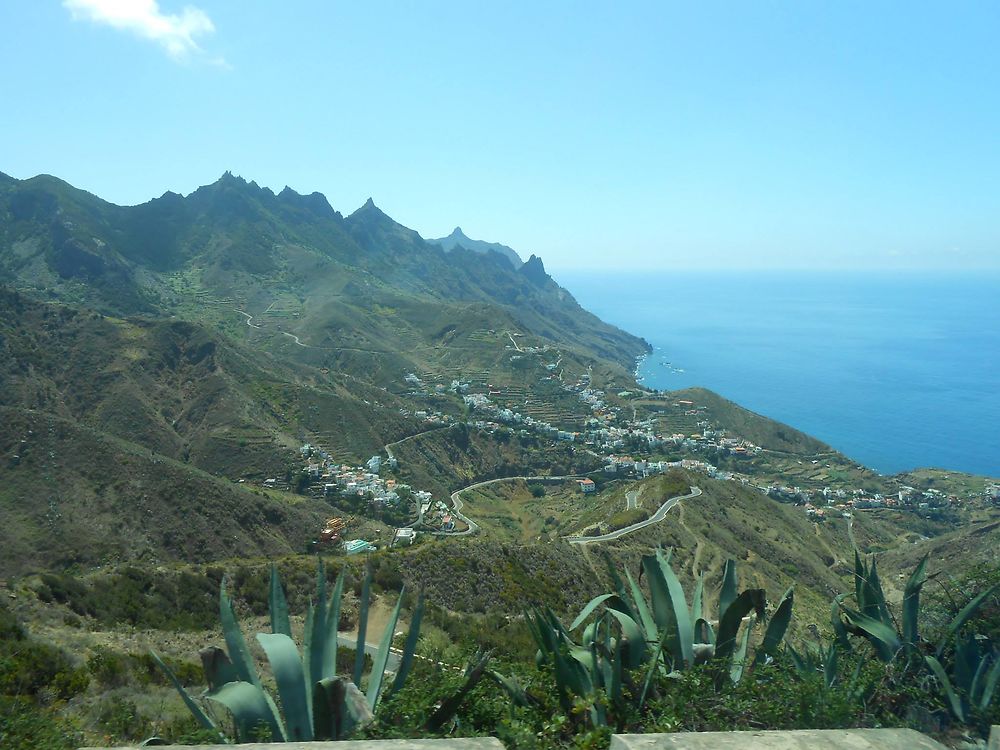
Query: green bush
24 725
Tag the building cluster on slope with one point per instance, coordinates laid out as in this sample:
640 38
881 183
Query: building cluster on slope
331 478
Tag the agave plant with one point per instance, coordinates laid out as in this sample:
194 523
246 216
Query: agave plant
316 703
663 635
686 636
968 672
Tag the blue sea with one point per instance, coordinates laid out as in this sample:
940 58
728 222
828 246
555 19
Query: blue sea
896 371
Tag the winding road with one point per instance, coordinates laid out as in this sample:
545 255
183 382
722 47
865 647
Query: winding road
249 319
655 518
457 503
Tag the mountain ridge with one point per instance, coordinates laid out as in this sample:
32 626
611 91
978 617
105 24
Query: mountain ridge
458 239
233 240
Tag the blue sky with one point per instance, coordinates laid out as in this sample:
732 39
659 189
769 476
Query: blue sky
646 135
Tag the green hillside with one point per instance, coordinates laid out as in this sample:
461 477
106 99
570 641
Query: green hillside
73 496
241 258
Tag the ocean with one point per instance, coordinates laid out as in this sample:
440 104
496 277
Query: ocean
897 371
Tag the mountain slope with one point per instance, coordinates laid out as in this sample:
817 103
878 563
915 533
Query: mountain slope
70 495
290 261
180 390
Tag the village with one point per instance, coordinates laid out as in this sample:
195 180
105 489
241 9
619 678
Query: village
607 434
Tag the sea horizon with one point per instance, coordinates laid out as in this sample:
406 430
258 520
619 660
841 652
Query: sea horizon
896 369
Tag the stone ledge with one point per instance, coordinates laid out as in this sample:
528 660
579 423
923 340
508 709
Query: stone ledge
460 743
994 742
803 739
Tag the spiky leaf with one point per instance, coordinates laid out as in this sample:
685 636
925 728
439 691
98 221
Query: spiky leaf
962 617
359 657
236 645
382 655
450 705
727 593
634 648
911 604
278 605
250 709
990 683
751 600
200 716
739 661
648 625
286 666
339 709
777 626
883 637
329 668
410 647
954 701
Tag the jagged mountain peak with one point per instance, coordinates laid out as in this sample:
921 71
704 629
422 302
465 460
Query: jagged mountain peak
534 270
458 238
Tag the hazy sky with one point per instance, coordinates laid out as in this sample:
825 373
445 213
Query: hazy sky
665 135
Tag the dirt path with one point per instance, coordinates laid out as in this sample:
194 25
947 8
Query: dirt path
697 544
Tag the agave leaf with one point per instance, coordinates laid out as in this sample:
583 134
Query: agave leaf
962 617
739 661
617 667
911 604
329 668
290 678
751 600
777 626
860 576
586 657
977 680
879 611
308 634
278 605
658 593
654 664
200 716
410 648
839 631
883 637
217 667
473 674
382 655
852 686
641 609
313 654
339 709
250 708
515 691
696 600
359 657
681 613
990 684
965 663
953 700
236 645
800 664
830 666
727 593
574 671
593 604
634 648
